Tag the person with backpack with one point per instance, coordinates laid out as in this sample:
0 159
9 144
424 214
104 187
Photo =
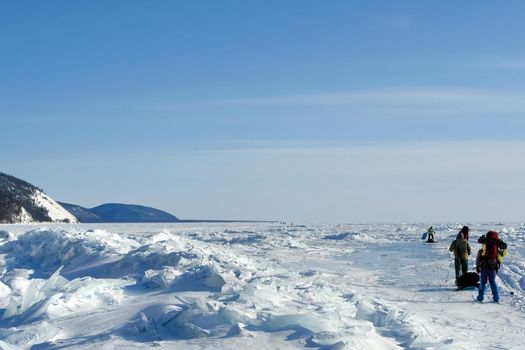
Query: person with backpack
461 248
464 232
488 263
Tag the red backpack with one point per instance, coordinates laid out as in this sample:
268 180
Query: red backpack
492 247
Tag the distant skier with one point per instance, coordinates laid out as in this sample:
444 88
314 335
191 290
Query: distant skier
488 263
430 235
461 248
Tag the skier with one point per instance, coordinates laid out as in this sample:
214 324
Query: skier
461 248
430 235
487 263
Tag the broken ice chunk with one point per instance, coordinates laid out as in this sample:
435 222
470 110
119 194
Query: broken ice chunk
28 335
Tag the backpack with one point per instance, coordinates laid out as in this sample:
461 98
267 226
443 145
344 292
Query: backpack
491 256
491 250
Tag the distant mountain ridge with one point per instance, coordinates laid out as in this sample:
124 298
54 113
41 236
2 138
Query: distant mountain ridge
118 212
22 202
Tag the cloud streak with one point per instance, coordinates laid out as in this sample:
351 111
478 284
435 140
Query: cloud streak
443 99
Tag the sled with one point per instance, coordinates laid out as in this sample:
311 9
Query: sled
468 281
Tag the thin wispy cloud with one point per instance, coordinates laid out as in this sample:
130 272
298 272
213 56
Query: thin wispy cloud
434 98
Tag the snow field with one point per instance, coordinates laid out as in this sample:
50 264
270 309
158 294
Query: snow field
249 286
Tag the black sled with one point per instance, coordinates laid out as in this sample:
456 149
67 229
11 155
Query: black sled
468 280
430 238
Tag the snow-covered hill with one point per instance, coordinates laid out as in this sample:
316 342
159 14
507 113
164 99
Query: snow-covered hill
251 286
22 202
118 212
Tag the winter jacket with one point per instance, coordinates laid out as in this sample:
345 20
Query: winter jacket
478 260
461 248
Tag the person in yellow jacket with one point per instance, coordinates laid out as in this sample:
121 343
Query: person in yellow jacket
430 235
488 262
461 248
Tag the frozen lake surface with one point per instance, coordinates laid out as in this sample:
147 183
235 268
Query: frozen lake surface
251 286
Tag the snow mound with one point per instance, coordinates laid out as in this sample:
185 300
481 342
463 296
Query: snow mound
25 336
44 250
182 261
57 297
5 235
346 236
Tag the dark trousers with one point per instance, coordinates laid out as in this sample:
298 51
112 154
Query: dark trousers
461 266
490 276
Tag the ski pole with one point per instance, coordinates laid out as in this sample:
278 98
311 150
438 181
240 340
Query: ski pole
506 285
448 273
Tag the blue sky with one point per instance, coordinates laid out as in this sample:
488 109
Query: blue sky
291 110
